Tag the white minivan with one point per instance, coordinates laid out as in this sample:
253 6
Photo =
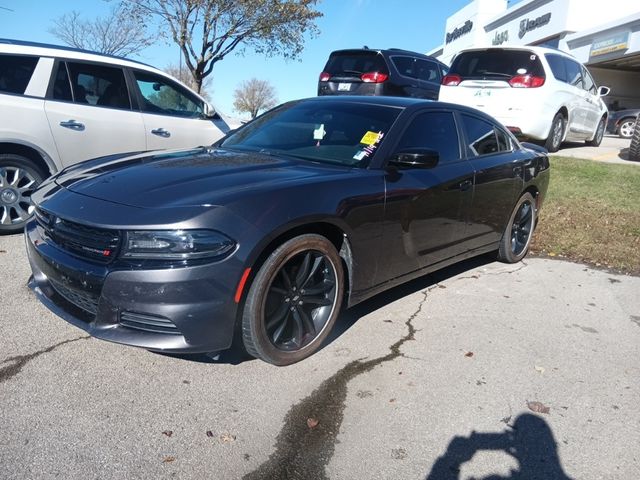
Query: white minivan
536 92
62 105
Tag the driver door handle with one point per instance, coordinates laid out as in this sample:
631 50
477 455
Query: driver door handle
161 132
73 125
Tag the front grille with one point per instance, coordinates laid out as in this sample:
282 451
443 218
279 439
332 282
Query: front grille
97 244
81 299
148 323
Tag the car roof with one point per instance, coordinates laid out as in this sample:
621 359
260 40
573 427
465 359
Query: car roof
397 102
387 51
535 49
8 45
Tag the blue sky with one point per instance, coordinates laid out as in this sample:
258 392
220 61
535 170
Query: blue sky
411 24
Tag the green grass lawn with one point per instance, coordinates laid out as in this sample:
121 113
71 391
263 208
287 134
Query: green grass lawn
592 214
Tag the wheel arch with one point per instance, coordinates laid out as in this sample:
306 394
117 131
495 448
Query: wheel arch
332 232
37 156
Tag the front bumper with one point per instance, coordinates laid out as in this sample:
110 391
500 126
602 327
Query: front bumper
180 310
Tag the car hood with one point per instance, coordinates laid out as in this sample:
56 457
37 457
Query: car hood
199 177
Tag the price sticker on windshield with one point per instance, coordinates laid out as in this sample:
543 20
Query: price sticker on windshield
370 138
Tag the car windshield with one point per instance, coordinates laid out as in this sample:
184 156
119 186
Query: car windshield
329 132
496 64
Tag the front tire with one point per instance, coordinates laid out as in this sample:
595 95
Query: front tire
293 301
19 177
556 133
516 238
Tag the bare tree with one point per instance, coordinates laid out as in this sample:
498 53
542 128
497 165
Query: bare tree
119 33
184 75
254 96
208 30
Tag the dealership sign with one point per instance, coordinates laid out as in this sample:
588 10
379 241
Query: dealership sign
527 25
613 43
458 32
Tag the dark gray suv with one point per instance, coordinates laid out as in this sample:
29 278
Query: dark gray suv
392 72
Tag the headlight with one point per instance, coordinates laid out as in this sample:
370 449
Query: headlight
176 244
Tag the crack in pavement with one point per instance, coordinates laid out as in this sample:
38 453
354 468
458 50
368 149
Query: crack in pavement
303 452
17 363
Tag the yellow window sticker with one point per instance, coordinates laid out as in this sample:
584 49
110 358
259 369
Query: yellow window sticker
370 138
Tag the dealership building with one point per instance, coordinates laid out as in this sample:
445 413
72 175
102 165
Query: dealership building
605 36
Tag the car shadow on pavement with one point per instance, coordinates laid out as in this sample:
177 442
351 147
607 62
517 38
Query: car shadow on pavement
236 354
529 441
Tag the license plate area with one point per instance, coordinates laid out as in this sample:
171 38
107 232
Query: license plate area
344 87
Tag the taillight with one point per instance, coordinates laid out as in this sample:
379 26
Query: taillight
526 81
324 77
451 80
374 77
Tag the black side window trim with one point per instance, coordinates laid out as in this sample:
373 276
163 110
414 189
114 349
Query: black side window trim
465 144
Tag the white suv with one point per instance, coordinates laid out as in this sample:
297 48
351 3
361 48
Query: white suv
61 105
536 92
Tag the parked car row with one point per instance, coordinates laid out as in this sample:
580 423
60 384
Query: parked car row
62 105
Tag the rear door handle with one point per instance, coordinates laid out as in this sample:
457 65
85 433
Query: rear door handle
73 125
161 132
466 185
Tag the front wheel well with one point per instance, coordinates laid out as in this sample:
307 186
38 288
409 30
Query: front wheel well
27 152
330 231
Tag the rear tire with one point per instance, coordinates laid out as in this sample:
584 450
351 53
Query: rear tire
293 301
634 147
19 177
597 138
516 238
556 133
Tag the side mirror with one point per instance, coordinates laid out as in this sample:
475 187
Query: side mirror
415 158
603 91
209 111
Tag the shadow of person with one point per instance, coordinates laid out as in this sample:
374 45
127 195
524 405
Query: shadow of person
529 441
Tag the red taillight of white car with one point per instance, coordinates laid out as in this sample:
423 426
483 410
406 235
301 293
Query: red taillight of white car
526 81
451 80
374 77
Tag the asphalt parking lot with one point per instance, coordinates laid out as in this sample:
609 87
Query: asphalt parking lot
483 369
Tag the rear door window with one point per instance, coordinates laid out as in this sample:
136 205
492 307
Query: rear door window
15 72
92 84
355 63
483 137
497 64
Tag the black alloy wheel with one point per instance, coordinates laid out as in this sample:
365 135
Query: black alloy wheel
556 133
519 230
18 179
293 301
599 135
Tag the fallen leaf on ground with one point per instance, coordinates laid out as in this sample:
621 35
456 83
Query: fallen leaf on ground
209 433
169 459
468 354
312 422
392 400
539 369
3 251
168 433
538 407
227 437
